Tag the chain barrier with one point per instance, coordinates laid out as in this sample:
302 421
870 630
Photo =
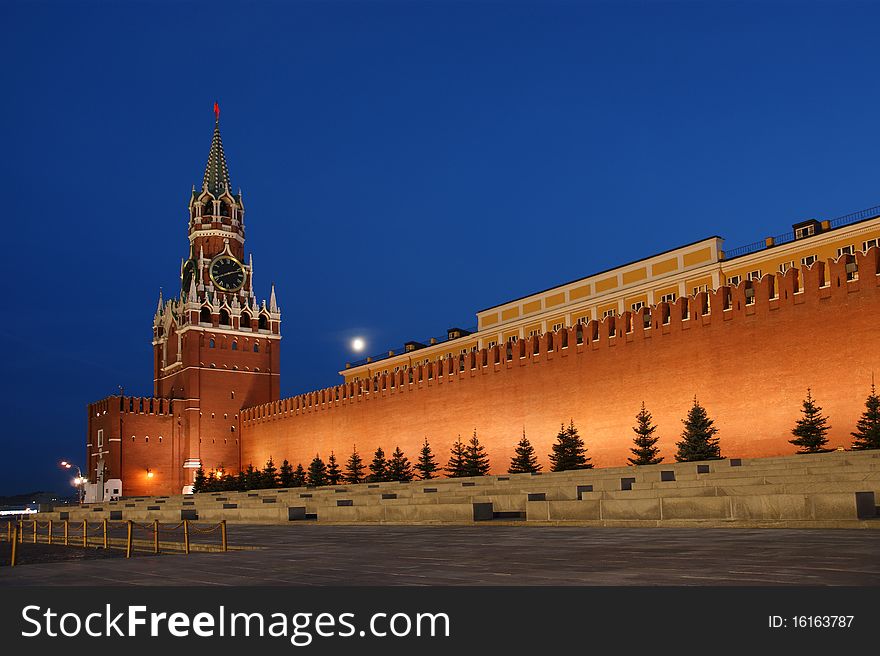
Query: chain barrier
77 534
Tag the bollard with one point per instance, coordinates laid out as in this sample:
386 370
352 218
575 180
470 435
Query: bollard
155 536
128 541
66 529
9 530
85 531
35 531
105 533
223 535
186 536
50 531
21 532
15 536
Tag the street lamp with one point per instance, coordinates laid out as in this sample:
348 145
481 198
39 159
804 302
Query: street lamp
79 482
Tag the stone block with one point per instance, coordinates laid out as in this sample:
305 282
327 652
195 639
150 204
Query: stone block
695 508
630 509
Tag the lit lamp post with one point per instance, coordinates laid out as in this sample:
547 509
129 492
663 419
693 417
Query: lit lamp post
79 482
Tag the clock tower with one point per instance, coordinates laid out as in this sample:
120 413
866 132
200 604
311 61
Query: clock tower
215 347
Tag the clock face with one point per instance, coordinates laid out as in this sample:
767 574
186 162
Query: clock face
189 270
227 273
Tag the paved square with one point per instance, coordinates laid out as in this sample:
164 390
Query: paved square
308 554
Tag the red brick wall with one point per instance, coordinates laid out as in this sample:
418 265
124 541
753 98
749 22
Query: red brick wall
749 366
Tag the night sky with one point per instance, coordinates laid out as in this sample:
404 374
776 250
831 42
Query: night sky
403 165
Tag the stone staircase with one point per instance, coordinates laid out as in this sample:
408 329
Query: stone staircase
829 490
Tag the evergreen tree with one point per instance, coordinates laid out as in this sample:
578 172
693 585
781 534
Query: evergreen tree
285 474
227 483
475 457
810 430
426 465
524 461
867 434
299 476
354 468
456 468
253 478
379 467
698 441
569 451
646 449
241 481
399 467
270 474
334 473
317 475
199 481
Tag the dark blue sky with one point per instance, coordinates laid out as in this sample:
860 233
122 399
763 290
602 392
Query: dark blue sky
403 165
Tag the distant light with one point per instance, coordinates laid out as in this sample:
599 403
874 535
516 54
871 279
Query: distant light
358 344
149 474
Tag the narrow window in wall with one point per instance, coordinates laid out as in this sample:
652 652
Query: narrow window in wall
100 437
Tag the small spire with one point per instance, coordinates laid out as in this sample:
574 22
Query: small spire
159 306
192 298
251 267
273 304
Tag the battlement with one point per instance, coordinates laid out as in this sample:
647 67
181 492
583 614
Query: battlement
825 281
141 405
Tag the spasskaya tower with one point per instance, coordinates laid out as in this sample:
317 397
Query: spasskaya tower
215 351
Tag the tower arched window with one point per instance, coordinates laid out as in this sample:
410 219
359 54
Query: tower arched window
234 346
257 348
224 318
225 209
208 208
205 315
211 343
264 323
245 321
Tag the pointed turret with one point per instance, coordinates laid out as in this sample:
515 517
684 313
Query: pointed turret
273 304
216 178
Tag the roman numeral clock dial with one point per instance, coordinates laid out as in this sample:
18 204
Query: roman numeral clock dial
227 273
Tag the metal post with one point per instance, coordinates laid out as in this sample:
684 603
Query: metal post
105 533
21 532
128 541
15 536
66 532
223 535
35 531
50 531
85 532
186 536
155 536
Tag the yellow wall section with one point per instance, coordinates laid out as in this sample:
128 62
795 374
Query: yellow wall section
554 300
606 283
635 276
510 313
488 319
666 290
628 303
534 306
664 267
579 292
696 257
552 322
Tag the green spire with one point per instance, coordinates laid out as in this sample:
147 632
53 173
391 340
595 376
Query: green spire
216 178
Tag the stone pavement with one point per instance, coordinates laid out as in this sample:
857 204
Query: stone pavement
307 554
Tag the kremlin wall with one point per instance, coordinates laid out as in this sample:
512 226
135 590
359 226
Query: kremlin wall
748 356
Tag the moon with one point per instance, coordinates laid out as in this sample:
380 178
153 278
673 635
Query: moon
358 344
